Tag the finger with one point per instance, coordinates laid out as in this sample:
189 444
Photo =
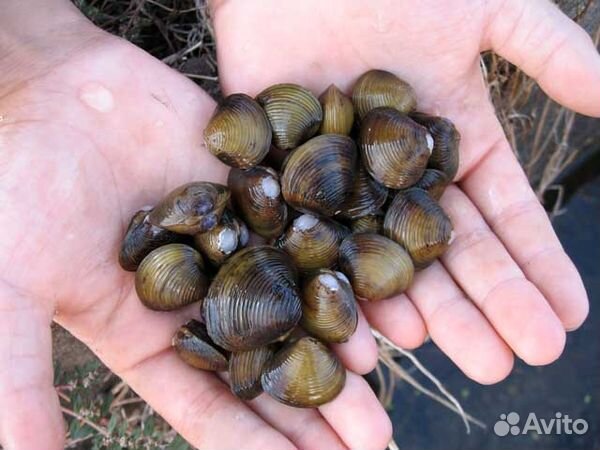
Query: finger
28 401
484 269
398 320
358 417
360 353
536 36
459 328
499 188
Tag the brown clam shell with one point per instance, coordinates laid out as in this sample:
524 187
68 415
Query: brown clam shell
193 345
222 241
245 370
338 112
366 197
434 182
373 223
377 88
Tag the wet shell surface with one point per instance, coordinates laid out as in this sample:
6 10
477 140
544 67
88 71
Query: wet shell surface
377 88
446 141
415 221
318 175
171 277
191 208
338 112
294 112
193 345
366 197
253 300
434 182
305 374
378 267
245 370
373 223
394 148
312 242
256 194
238 133
141 238
222 241
329 310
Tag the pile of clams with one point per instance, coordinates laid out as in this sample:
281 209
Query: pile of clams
329 200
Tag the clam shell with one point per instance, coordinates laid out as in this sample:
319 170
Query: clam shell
256 194
238 133
318 175
366 197
329 310
373 223
377 88
194 346
171 277
312 242
191 208
446 141
338 112
378 268
294 112
434 182
140 239
305 374
394 148
253 300
222 241
415 221
245 370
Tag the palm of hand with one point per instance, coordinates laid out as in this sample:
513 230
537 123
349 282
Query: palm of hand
111 130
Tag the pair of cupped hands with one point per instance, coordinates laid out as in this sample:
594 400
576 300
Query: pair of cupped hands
92 128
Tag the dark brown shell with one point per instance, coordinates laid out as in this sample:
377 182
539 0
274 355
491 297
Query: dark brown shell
329 310
193 345
393 147
318 175
434 182
366 197
253 300
140 239
305 374
191 208
312 242
373 223
446 141
222 241
415 221
245 370
238 133
378 268
257 197
338 112
377 88
171 277
294 112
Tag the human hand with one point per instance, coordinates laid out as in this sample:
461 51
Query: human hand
505 286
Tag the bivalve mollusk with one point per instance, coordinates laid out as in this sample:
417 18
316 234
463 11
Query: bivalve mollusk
245 370
194 346
222 241
338 112
377 88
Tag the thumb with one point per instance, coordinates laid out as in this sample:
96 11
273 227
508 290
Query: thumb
30 416
548 46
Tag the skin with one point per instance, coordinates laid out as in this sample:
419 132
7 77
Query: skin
92 129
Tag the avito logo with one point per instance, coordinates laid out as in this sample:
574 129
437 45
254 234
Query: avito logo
559 424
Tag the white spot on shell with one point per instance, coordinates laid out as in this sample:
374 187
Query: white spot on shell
342 276
227 241
430 141
97 96
270 187
244 235
305 222
329 281
452 237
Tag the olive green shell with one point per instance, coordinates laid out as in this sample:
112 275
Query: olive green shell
373 223
366 196
312 242
238 133
434 182
191 208
378 268
256 194
446 141
245 370
393 147
294 112
377 88
194 346
415 221
305 374
171 277
140 239
318 176
329 310
222 241
338 112
253 299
